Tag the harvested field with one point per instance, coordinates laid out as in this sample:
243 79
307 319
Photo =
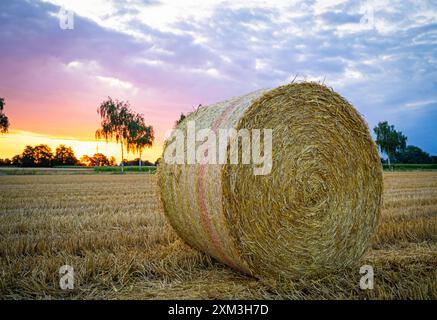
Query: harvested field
112 230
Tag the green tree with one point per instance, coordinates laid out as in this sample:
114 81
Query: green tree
116 121
389 140
64 156
141 136
413 154
43 155
27 158
5 162
97 160
100 160
16 160
85 160
38 156
4 121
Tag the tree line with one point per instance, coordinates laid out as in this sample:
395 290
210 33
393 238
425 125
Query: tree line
394 144
42 156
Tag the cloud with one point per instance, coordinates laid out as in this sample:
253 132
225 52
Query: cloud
177 54
117 83
420 104
74 65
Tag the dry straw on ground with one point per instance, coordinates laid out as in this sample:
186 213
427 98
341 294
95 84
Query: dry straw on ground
315 212
112 230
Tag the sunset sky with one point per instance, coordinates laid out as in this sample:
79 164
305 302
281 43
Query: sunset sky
167 57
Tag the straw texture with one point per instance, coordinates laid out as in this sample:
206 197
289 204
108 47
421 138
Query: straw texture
317 209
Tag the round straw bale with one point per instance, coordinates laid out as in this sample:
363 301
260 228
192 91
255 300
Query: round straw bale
315 211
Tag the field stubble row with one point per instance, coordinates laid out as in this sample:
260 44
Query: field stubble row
112 230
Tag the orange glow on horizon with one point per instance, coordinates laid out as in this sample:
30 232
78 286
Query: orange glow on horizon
15 141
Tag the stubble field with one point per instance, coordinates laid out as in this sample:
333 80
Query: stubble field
112 230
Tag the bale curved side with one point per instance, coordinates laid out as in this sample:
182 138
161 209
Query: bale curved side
192 193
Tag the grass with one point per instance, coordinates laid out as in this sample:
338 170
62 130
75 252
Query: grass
69 167
410 167
152 169
127 169
111 229
68 170
14 171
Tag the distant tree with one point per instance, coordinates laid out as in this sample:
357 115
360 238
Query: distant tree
16 160
86 160
120 122
97 160
43 155
413 154
100 160
38 156
5 162
157 161
4 121
141 135
148 163
136 161
112 161
27 158
64 156
389 140
116 119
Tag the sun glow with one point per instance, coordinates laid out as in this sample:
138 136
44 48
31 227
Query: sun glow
15 141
